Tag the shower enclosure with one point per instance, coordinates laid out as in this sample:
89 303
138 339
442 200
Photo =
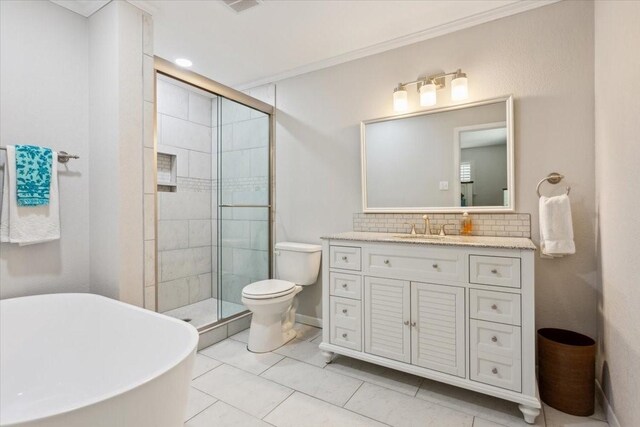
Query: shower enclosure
213 183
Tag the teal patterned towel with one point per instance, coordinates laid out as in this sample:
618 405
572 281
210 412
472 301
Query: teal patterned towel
33 175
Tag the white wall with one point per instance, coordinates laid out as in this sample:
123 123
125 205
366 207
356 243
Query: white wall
116 142
617 109
43 101
543 57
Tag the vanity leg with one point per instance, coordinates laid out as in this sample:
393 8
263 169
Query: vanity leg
328 356
530 413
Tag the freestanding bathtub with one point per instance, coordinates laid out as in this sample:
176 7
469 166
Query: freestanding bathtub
84 360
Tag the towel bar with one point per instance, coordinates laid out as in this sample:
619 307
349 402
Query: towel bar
552 178
63 156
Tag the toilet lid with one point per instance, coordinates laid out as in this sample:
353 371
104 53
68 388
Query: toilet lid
268 288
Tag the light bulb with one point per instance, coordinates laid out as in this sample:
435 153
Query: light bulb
428 94
183 62
400 99
459 88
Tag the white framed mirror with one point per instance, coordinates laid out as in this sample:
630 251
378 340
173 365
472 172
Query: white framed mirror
454 159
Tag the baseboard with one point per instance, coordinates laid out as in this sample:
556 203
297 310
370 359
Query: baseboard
308 320
602 399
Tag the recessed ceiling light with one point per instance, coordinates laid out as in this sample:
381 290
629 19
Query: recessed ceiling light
183 62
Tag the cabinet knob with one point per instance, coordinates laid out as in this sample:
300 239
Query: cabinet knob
406 322
344 310
344 285
494 371
494 271
434 265
494 339
345 335
344 258
386 261
494 307
413 324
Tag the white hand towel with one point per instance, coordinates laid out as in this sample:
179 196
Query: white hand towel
28 225
556 226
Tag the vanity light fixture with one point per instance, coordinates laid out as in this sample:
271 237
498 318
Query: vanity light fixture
427 88
183 62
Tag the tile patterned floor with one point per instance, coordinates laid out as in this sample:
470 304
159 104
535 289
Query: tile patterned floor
292 387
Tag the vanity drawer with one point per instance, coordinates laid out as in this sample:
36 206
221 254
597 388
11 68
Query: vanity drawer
345 285
495 338
496 271
414 264
504 372
345 257
345 322
501 307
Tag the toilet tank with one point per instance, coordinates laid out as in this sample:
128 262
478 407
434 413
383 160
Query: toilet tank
298 262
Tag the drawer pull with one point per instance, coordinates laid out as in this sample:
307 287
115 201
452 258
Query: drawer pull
494 307
345 335
494 339
386 261
344 285
435 266
344 258
494 371
406 322
344 310
494 271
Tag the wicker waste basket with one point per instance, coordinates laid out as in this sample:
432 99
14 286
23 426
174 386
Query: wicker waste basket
566 362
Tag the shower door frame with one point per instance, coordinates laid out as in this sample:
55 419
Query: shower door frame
169 69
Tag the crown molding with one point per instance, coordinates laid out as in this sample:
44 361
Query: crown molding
429 33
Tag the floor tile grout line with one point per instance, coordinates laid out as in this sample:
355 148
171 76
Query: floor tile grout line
207 407
276 407
215 367
353 394
245 412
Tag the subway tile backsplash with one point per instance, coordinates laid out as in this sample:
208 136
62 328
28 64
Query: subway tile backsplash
484 224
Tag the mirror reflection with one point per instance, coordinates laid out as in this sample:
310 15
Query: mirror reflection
453 159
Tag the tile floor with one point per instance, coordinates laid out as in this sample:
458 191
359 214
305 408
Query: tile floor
292 387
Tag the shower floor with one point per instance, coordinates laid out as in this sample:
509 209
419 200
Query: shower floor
204 312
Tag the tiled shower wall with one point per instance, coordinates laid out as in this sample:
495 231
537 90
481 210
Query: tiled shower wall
245 179
503 225
186 243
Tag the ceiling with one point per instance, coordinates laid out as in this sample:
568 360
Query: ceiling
83 7
282 38
483 138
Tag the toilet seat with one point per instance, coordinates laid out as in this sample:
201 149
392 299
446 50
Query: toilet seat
268 289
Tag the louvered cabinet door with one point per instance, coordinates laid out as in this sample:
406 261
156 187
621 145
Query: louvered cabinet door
386 318
437 328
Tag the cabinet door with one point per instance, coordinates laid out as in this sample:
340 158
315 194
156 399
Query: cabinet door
386 318
437 332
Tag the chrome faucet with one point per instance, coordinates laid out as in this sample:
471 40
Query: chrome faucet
427 225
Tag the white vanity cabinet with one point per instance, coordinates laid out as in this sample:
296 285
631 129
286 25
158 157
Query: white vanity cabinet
455 310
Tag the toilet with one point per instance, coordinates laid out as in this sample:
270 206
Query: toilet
273 302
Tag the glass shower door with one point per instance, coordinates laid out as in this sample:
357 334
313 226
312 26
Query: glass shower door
243 172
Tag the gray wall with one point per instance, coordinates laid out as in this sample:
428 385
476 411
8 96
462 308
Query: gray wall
489 173
529 55
617 68
44 101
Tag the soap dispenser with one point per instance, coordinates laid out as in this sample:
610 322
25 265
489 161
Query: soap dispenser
466 225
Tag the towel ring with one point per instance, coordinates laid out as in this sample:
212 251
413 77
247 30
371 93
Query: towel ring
552 178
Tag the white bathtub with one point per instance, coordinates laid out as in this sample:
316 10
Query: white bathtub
84 360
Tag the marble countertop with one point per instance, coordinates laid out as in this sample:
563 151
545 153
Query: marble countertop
476 241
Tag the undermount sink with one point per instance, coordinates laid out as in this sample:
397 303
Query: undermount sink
419 236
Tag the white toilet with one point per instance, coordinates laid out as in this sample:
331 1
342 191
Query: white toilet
273 302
